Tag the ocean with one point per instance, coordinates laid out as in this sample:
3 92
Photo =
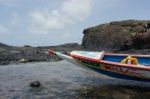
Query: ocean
63 80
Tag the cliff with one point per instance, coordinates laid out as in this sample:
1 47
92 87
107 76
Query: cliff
118 35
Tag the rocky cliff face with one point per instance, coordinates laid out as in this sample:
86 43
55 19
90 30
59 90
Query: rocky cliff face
119 35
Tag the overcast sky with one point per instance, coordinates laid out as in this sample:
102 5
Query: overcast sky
54 22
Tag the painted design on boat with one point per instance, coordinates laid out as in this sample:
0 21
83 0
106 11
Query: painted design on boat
109 64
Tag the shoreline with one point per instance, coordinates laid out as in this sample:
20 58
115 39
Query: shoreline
65 80
36 55
16 55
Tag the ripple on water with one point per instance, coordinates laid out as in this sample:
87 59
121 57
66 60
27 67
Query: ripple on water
63 80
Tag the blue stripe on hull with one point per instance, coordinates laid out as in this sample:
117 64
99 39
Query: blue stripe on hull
142 60
116 75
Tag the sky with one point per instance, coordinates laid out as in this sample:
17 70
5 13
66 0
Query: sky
55 22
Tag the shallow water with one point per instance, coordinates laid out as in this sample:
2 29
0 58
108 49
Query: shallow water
63 80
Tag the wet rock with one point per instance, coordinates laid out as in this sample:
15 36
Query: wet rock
115 92
4 62
10 54
35 84
23 61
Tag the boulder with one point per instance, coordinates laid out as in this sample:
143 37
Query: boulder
117 35
35 84
141 40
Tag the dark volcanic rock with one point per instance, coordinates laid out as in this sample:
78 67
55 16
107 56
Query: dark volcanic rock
141 40
115 92
65 47
31 55
3 45
35 84
122 35
12 54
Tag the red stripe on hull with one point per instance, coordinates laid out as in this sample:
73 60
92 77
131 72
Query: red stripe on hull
147 68
114 68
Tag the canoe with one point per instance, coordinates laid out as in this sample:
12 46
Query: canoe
110 64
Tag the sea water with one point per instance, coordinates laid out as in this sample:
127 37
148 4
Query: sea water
63 80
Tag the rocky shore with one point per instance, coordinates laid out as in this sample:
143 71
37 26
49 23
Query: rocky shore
129 36
114 92
118 35
63 80
12 54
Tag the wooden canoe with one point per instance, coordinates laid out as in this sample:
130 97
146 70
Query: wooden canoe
110 64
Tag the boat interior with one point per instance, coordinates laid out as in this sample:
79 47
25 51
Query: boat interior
142 59
114 58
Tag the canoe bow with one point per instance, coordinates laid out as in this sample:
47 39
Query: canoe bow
62 56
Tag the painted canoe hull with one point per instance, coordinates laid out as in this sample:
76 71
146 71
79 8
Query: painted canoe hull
141 73
117 71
